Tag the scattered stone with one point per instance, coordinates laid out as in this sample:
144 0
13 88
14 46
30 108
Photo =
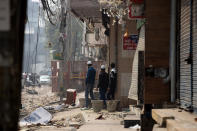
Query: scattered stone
33 92
75 124
195 119
100 117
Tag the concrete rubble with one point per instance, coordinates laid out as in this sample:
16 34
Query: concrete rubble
32 101
63 117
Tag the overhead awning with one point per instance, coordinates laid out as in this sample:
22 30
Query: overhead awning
87 9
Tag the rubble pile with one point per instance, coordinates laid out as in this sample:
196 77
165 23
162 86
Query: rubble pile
112 116
72 121
34 97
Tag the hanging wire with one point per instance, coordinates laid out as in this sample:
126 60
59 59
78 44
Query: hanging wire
51 15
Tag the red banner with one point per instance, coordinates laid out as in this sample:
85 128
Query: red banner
130 42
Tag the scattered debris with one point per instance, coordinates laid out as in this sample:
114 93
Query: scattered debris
39 116
137 127
195 119
72 121
33 92
122 122
125 109
113 116
31 102
56 108
100 117
78 118
75 124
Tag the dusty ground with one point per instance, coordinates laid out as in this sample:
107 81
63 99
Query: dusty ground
38 96
70 119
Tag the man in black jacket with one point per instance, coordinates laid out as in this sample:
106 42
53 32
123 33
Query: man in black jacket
103 84
112 83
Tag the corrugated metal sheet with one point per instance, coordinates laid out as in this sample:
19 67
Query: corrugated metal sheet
133 92
195 55
185 69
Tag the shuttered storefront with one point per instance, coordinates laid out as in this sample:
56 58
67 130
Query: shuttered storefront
185 68
133 92
195 55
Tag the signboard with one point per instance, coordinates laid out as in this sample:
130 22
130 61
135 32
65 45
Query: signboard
136 9
4 15
58 56
137 1
130 42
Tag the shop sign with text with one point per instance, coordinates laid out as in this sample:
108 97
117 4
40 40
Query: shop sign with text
130 42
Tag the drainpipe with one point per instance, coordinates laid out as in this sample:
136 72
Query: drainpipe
173 50
191 48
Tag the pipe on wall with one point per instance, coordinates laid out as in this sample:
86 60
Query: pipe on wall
191 48
116 44
173 50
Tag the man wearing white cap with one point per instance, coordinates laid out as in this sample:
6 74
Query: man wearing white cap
112 82
90 79
103 84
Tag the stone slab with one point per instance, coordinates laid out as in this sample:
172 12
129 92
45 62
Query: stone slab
160 116
175 125
156 127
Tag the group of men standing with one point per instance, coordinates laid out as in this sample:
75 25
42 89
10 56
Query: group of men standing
106 83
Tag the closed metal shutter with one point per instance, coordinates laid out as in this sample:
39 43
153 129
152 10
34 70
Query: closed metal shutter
133 92
195 55
185 68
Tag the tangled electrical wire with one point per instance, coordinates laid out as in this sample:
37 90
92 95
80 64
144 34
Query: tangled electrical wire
48 10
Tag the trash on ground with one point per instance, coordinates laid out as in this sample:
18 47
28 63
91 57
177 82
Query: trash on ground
40 115
75 124
122 122
72 121
125 109
33 92
55 108
135 127
100 117
195 119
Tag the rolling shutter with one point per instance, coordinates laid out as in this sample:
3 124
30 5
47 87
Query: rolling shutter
185 68
195 55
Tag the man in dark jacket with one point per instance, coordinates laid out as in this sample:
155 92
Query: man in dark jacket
103 84
112 83
90 79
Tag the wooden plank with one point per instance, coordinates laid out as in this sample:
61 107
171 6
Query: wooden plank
160 117
157 49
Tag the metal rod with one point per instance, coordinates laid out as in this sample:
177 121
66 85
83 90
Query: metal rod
116 43
173 50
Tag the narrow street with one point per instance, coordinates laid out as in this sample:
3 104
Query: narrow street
98 65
